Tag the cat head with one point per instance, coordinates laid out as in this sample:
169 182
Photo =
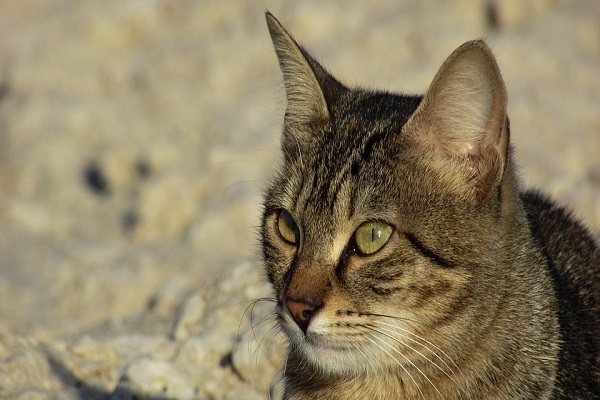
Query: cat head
385 210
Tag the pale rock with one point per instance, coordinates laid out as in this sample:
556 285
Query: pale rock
170 295
209 350
88 348
137 345
189 316
89 365
24 368
147 377
259 353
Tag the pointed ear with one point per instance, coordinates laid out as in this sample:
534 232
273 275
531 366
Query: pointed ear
309 87
462 124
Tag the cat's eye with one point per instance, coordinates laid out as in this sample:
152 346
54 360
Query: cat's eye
287 227
371 236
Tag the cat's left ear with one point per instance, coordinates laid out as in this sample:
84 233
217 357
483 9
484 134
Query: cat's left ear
310 89
462 123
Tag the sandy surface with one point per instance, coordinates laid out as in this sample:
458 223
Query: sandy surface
135 138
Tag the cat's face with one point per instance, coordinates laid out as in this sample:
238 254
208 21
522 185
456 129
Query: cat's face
375 227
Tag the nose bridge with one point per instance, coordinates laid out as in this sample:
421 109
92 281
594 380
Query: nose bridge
310 278
309 282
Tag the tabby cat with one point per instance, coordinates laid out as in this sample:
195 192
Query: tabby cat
405 260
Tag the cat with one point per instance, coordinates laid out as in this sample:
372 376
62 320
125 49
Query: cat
405 260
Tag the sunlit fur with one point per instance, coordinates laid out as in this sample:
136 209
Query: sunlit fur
466 299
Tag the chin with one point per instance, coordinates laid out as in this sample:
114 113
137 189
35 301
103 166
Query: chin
333 360
332 357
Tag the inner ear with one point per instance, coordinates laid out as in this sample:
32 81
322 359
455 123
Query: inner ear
462 121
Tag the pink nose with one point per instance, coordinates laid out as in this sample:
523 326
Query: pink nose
301 312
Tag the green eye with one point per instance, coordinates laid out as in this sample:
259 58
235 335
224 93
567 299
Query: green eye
287 227
372 236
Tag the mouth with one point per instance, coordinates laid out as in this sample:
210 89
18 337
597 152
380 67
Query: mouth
316 338
321 346
331 356
318 343
321 343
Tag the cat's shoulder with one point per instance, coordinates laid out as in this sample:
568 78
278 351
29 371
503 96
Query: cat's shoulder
559 231
573 261
572 252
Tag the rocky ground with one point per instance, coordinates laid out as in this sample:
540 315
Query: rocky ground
135 138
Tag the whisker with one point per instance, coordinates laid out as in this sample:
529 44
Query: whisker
389 333
407 359
237 303
261 334
262 321
221 163
453 369
250 308
369 338
426 341
230 187
271 336
285 364
407 320
361 350
271 152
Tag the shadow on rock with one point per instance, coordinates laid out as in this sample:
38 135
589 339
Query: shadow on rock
87 391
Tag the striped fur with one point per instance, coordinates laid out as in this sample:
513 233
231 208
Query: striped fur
462 301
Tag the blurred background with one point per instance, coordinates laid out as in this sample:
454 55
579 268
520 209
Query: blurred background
135 140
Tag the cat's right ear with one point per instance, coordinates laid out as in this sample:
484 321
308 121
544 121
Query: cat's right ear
310 89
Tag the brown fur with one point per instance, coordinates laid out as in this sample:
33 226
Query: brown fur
475 295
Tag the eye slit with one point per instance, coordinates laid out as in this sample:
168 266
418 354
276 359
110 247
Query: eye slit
371 236
287 227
